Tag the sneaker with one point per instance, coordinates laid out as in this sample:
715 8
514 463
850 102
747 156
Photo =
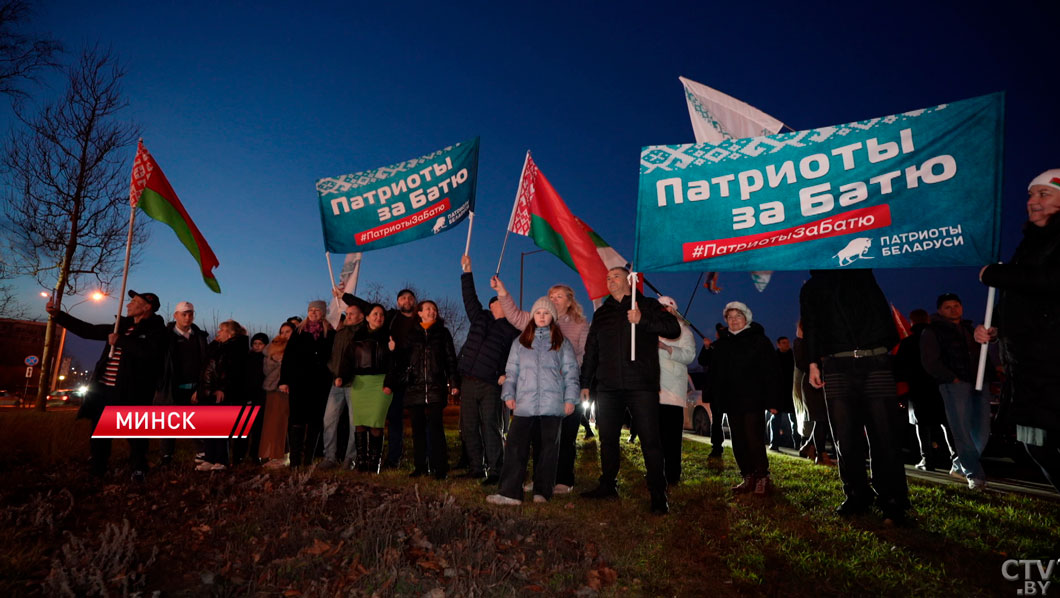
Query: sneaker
763 486
218 467
199 457
957 471
527 487
562 489
977 484
204 466
852 506
923 465
747 485
539 499
138 477
601 491
499 499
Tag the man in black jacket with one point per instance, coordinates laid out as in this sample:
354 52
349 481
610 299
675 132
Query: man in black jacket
949 353
184 351
129 376
623 383
481 366
849 333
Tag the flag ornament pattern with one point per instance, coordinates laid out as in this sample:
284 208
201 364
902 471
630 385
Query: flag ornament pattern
541 214
717 116
151 192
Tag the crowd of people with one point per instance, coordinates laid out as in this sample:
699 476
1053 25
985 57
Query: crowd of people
521 377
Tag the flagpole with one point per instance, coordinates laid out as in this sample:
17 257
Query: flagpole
470 223
632 326
331 272
693 296
987 320
125 272
515 204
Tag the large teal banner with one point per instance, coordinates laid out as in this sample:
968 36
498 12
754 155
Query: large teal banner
399 203
916 189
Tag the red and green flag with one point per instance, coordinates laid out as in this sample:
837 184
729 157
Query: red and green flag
152 192
541 215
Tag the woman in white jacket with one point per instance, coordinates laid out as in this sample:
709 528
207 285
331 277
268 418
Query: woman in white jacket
674 357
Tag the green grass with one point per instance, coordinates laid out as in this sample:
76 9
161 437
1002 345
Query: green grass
712 543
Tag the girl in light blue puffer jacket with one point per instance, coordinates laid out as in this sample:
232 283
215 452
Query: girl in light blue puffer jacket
540 386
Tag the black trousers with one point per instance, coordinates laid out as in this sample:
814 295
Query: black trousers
427 426
480 425
671 428
611 414
568 441
748 431
395 427
859 394
100 448
517 452
181 398
717 434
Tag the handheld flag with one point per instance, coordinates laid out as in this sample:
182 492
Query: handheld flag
717 117
151 191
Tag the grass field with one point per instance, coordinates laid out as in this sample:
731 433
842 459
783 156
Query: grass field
250 532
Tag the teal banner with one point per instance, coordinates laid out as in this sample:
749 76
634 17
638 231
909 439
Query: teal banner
399 203
921 188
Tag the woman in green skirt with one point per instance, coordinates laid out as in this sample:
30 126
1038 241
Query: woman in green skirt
370 349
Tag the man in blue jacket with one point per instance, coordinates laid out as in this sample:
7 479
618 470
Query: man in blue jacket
481 366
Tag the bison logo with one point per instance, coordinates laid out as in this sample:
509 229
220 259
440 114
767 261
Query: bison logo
855 250
438 225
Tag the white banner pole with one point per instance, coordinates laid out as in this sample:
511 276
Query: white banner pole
632 326
470 223
987 320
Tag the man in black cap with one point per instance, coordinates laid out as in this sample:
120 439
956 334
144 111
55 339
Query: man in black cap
126 376
949 352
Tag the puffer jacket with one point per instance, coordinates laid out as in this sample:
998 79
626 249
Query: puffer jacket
486 346
426 366
673 367
539 379
225 369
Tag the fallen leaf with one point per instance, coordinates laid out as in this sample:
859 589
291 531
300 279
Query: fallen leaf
317 548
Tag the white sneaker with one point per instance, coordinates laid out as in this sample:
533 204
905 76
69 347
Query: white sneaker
498 499
218 467
199 458
956 471
978 484
204 466
562 489
527 487
538 498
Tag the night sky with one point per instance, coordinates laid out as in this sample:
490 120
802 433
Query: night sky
245 105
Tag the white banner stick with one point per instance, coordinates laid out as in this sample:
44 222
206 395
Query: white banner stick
331 273
124 274
632 326
470 223
987 319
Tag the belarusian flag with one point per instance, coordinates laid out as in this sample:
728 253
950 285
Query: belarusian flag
540 214
152 192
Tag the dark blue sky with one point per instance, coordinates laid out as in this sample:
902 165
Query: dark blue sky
245 105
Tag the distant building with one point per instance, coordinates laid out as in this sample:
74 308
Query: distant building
18 340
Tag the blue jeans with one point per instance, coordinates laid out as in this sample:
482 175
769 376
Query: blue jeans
338 398
968 412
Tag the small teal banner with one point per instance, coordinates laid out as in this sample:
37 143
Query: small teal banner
921 188
399 203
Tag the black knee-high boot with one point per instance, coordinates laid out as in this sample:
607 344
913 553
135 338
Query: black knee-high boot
375 453
296 436
363 458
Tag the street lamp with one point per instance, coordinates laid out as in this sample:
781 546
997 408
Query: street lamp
521 256
94 296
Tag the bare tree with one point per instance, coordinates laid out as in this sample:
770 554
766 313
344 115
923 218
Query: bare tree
22 57
66 219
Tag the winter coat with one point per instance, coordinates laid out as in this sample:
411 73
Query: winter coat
488 339
673 368
539 379
786 362
305 372
396 323
925 402
175 349
574 331
426 367
1027 317
844 310
949 351
141 356
225 370
368 354
607 348
744 371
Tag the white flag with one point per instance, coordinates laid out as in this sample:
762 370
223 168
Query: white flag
761 279
717 117
348 283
